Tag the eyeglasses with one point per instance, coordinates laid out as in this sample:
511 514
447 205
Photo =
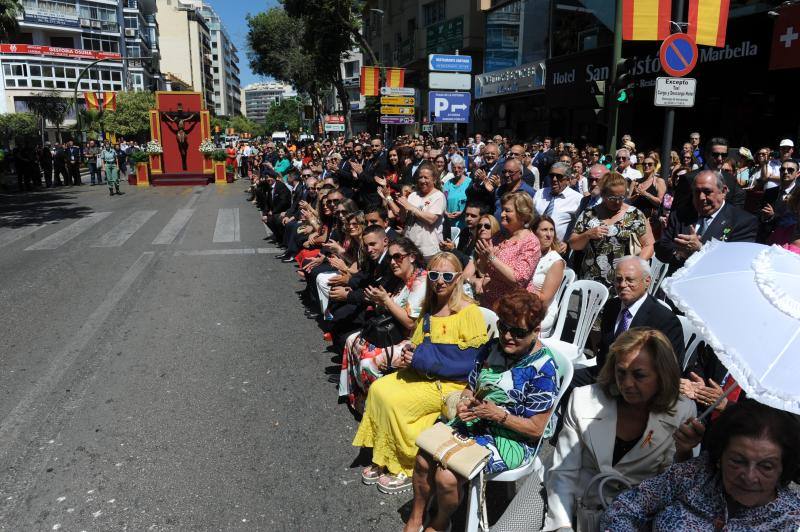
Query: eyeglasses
510 172
763 154
620 158
355 224
615 198
486 226
626 280
398 257
331 202
516 332
788 170
647 165
718 154
306 175
447 277
555 175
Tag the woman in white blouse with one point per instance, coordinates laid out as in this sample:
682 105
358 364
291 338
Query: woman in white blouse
549 271
423 212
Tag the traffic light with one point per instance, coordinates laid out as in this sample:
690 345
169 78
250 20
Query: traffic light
619 88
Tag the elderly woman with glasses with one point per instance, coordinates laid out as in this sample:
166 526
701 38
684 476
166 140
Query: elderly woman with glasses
610 231
505 408
403 404
455 189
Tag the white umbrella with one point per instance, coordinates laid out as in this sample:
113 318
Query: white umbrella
744 299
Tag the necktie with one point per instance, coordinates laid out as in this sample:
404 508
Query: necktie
548 211
624 323
702 227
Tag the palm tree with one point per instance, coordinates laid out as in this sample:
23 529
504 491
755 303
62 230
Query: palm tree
9 11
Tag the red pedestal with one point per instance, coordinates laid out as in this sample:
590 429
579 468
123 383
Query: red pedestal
219 172
142 179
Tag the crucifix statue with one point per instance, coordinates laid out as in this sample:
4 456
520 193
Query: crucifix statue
177 122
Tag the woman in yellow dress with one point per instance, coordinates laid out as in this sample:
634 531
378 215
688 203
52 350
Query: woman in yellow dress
443 349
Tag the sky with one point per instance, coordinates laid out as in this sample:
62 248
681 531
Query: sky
233 13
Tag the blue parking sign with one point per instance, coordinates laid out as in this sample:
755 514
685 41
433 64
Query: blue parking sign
449 107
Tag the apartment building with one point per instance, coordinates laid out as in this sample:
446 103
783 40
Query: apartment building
224 65
257 98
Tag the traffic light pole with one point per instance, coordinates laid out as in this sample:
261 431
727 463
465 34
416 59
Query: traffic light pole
669 112
613 110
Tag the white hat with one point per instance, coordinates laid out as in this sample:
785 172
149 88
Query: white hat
787 143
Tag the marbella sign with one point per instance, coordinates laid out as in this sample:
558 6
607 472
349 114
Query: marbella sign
72 53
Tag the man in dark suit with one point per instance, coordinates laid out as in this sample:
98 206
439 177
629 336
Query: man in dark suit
773 202
712 217
278 201
487 178
74 163
716 154
633 307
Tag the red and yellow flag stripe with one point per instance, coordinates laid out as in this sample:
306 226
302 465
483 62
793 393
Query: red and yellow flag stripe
708 21
91 100
370 81
646 20
110 101
395 77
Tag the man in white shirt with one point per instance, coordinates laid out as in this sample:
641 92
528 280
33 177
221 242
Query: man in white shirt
476 147
558 201
624 167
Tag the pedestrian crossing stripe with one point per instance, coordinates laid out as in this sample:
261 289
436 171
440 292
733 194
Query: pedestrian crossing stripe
124 230
59 238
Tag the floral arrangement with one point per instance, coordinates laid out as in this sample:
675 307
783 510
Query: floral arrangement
207 147
139 156
218 155
153 148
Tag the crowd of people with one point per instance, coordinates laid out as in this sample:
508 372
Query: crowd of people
414 254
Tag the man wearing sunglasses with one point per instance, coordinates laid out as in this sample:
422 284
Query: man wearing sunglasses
558 201
773 204
511 182
623 161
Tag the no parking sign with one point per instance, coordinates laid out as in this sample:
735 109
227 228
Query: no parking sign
678 54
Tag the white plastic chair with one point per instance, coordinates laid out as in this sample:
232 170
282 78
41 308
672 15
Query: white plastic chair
566 281
455 232
490 318
593 296
659 271
565 371
691 339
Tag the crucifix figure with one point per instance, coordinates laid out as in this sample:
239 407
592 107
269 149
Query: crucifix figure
177 122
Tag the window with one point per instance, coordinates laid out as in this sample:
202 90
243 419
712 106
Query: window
24 38
62 42
351 69
131 22
101 43
433 12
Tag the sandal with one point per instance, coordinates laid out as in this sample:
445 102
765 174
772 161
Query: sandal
371 474
392 484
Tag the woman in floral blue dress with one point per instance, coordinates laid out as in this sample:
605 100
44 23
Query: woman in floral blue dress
505 407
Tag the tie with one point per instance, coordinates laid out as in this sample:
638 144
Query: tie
624 323
550 206
702 227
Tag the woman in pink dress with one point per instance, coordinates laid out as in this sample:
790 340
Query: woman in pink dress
511 262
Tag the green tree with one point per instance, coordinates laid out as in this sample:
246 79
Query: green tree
51 106
244 125
91 122
132 117
284 115
9 11
18 125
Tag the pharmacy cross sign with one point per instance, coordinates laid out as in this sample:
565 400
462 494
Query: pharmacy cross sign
789 37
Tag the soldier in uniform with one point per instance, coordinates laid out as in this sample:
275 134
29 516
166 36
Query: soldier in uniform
111 165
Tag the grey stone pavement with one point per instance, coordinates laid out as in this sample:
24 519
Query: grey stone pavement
157 372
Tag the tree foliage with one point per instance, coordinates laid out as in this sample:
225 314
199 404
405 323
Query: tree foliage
51 106
132 117
18 125
284 115
9 11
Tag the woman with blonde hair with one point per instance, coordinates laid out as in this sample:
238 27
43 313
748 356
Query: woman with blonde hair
437 362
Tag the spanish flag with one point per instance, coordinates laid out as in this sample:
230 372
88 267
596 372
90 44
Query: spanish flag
395 77
708 20
91 100
370 81
110 101
646 20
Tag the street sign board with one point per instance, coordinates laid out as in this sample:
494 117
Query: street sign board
397 91
675 92
448 81
450 63
427 128
396 110
451 107
397 120
334 127
678 54
397 100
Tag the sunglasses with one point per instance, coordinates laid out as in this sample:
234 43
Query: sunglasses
788 170
615 198
622 158
331 202
719 155
516 332
486 226
447 277
398 257
647 165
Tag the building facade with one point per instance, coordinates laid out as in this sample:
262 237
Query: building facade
224 65
257 98
58 40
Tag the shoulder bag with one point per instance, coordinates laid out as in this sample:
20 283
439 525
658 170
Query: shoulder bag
445 361
587 518
460 454
382 330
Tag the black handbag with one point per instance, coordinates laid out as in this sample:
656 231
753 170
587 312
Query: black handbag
383 330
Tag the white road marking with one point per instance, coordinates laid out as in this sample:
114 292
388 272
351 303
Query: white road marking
63 236
174 226
196 193
26 411
227 228
124 230
236 251
9 237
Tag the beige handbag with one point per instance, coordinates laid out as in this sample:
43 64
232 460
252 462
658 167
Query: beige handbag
634 245
588 517
454 452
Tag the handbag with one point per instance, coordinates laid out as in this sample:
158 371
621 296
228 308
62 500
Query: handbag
383 331
460 454
587 518
444 361
634 245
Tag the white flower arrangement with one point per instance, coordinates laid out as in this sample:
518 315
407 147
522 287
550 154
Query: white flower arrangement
154 148
207 147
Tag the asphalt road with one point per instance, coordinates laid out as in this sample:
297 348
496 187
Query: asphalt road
157 372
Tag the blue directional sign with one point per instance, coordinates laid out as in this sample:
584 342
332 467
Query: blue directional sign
450 63
449 107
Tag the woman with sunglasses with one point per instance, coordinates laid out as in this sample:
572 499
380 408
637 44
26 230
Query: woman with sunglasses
505 407
362 362
647 193
610 231
510 263
486 229
549 272
403 404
